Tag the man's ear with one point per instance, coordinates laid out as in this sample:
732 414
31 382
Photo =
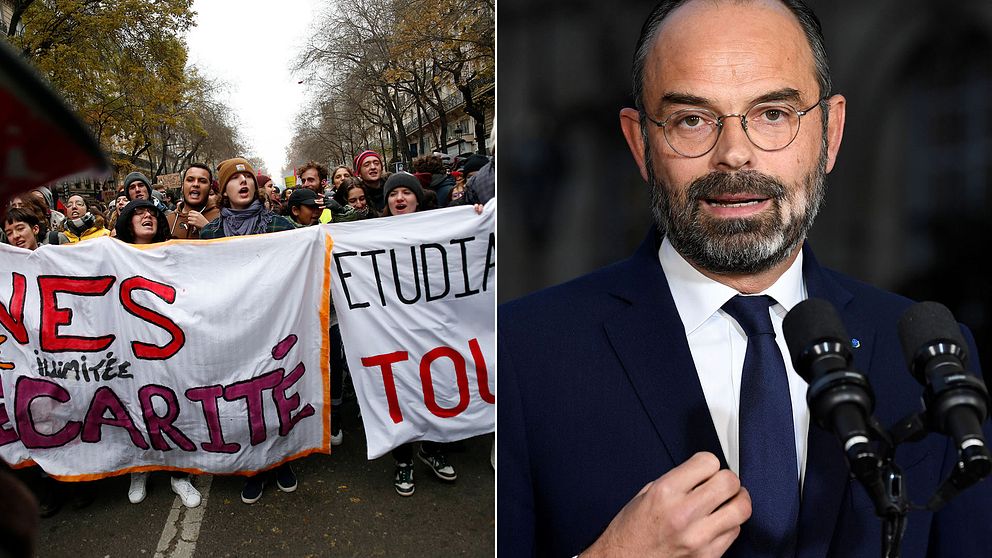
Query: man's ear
835 127
630 124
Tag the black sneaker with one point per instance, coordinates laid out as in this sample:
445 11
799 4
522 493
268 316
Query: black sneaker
252 490
439 464
84 494
285 478
403 482
51 497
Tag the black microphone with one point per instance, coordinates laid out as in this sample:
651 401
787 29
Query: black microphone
840 398
956 400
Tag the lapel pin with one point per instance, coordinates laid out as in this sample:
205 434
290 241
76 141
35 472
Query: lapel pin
855 343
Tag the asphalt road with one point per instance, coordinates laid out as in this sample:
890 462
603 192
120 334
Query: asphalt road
345 505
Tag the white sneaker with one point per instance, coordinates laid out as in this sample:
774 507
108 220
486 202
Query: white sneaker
337 439
186 492
136 494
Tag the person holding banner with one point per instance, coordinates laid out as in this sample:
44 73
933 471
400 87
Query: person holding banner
22 228
404 195
143 222
242 212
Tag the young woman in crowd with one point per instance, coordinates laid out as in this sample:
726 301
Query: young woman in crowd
36 206
352 192
459 190
22 228
81 221
338 175
265 188
403 194
197 205
142 222
116 206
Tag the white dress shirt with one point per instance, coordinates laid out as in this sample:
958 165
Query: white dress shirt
718 344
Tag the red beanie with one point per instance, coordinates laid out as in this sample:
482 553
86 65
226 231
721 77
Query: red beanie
365 155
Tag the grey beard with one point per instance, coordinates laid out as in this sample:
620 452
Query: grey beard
741 246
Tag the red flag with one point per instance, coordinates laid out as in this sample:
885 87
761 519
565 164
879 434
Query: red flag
41 140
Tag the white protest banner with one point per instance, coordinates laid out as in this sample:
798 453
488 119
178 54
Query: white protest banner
414 295
186 355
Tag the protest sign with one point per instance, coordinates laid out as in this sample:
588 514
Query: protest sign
415 298
192 355
176 356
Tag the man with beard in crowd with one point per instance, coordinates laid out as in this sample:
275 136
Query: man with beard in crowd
195 210
649 409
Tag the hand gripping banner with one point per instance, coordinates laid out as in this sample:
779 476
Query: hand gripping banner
415 298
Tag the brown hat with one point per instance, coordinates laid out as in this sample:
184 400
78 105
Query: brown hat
227 169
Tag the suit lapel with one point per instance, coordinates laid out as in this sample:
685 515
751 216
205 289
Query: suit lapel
827 472
650 342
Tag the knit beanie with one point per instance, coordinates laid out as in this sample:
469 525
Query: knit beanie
262 179
49 198
365 155
405 180
140 178
227 169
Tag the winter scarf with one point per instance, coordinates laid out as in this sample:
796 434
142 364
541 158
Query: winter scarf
254 219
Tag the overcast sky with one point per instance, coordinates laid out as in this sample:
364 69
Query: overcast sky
250 44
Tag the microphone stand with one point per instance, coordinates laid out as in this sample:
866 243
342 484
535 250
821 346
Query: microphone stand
876 470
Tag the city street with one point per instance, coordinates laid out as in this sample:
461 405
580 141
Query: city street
345 505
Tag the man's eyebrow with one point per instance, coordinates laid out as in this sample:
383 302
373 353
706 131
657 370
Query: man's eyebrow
678 98
786 94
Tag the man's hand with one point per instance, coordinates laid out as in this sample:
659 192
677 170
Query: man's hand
696 509
196 219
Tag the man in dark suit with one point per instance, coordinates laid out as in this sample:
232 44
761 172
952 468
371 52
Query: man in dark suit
633 420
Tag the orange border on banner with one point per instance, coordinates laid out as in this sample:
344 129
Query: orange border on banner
153 468
325 342
325 352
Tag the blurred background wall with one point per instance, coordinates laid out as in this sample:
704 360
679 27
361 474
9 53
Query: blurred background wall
908 204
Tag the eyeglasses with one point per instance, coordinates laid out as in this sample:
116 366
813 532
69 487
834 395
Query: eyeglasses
693 132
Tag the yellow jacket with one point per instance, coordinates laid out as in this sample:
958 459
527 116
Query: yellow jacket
92 232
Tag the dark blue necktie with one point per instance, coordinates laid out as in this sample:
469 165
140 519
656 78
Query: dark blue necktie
767 437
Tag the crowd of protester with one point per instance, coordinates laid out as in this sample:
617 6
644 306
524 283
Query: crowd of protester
238 201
